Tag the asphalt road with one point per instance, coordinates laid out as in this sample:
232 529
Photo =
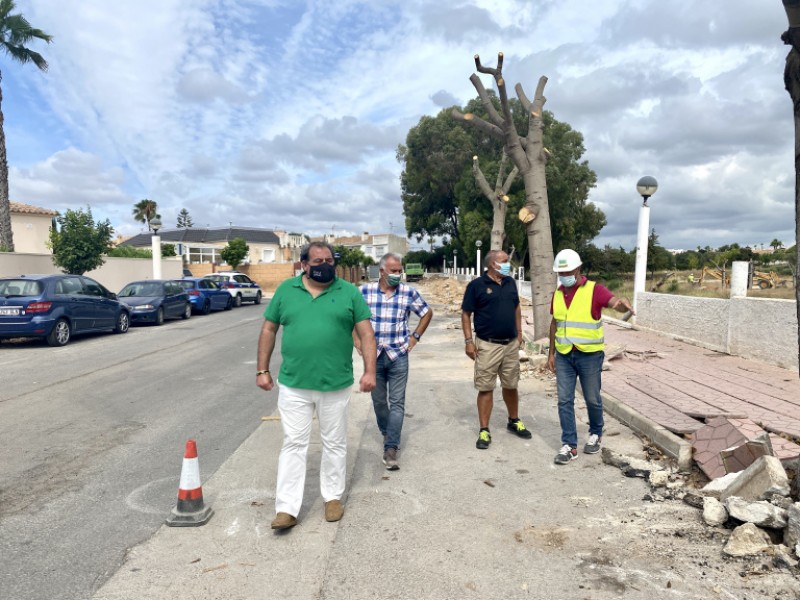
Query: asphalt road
92 437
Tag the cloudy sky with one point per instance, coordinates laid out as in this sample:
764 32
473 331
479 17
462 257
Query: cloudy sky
287 114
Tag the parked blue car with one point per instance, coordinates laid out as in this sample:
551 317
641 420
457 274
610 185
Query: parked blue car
155 300
205 295
56 307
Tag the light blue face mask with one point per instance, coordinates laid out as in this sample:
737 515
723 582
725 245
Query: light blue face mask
393 280
504 268
568 281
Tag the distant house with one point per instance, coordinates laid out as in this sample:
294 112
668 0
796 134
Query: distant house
30 226
203 245
375 245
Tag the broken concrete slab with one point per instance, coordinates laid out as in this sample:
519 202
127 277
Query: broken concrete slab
739 458
714 512
782 558
716 486
724 434
791 535
760 480
747 540
760 513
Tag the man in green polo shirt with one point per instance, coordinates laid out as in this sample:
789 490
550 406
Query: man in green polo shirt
318 312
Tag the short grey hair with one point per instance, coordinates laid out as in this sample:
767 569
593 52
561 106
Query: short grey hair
387 256
491 256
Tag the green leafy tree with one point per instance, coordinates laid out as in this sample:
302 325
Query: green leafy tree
184 220
78 243
168 250
234 252
658 257
145 211
776 243
130 252
15 34
441 196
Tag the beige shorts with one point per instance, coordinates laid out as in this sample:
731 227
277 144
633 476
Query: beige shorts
495 360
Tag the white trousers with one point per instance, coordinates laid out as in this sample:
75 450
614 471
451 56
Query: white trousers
296 408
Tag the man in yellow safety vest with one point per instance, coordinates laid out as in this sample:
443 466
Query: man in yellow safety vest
576 350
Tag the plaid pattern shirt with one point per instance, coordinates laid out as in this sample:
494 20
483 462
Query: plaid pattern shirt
390 316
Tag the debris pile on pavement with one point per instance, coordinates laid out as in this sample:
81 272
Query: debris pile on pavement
756 504
744 496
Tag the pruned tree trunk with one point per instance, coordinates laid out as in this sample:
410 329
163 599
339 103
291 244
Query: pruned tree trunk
530 157
6 235
498 197
791 79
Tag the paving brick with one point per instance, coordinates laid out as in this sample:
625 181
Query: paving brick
676 385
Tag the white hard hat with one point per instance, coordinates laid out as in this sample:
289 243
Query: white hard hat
566 260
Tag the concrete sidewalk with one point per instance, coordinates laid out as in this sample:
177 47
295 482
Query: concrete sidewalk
453 522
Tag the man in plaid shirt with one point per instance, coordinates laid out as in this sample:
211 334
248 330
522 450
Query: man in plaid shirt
391 303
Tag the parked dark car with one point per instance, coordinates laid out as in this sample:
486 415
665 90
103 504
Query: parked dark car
56 307
205 295
155 300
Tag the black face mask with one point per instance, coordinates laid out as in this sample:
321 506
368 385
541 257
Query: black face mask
323 273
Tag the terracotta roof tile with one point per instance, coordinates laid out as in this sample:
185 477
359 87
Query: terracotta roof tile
19 207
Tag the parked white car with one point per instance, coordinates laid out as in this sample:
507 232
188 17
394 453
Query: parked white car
238 285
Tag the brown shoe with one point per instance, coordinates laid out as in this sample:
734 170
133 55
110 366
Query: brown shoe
283 521
390 459
333 511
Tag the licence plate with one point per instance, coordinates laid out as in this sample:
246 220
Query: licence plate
6 311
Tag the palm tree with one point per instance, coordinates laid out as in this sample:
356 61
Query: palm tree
15 32
145 211
776 243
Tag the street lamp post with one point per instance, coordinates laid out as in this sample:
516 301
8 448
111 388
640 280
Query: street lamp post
155 224
646 187
478 271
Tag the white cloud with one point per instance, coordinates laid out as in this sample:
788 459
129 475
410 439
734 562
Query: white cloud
277 113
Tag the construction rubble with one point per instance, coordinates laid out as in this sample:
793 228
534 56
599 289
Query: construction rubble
743 478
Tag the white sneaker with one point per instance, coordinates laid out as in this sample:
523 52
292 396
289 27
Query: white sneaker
592 445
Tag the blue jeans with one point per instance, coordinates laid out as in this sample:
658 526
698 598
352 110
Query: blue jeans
389 397
587 367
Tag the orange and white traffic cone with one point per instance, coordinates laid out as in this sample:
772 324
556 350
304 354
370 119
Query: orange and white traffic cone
190 511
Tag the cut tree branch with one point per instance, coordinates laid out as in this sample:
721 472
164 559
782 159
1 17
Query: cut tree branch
484 126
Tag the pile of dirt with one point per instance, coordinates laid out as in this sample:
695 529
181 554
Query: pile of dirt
438 289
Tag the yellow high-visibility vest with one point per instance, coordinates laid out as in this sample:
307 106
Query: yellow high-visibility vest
575 325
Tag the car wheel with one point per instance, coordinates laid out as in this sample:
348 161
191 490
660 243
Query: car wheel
258 298
123 322
60 334
237 302
187 312
206 307
160 316
229 303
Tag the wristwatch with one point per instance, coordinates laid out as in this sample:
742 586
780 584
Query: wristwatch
416 336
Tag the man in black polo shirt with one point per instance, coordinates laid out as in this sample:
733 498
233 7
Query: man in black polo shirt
494 301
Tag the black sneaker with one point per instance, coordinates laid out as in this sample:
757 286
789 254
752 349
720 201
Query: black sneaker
484 439
592 445
566 454
518 428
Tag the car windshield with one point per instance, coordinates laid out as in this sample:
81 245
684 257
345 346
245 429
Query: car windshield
20 287
144 288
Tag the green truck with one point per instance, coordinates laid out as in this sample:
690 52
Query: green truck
414 272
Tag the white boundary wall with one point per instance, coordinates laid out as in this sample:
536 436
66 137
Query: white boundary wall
759 328
114 274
